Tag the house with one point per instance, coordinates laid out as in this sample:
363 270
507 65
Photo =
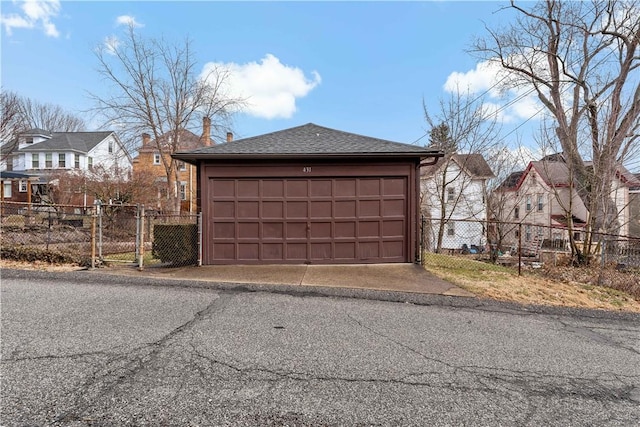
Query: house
543 198
308 194
453 201
151 160
48 154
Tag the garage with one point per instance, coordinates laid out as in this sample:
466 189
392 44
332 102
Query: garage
308 195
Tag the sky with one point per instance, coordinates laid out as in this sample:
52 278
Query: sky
362 67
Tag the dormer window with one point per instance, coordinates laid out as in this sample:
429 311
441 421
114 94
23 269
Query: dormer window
28 140
156 158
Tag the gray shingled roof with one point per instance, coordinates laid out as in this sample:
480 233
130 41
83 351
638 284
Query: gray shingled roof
474 163
305 140
69 141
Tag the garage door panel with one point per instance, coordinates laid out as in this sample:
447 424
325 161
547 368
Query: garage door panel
345 250
393 249
320 230
345 229
297 210
223 188
273 230
393 228
394 187
320 251
248 251
394 207
297 251
320 220
345 208
273 251
224 230
369 229
224 209
320 209
345 187
369 208
273 209
248 209
296 230
320 188
272 188
296 188
249 230
248 188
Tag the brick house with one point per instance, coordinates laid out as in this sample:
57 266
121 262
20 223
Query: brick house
150 160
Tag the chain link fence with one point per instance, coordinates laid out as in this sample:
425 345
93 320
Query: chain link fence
521 244
99 234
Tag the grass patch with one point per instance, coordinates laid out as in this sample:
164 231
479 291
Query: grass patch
535 287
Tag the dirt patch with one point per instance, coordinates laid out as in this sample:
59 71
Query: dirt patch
41 266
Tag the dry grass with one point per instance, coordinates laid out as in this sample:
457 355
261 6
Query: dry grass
567 289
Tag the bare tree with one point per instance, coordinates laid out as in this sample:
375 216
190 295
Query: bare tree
581 60
49 117
20 114
154 88
11 121
463 129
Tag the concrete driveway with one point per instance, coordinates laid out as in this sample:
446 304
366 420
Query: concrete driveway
395 277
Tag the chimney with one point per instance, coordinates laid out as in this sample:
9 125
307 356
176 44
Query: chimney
205 139
146 138
229 136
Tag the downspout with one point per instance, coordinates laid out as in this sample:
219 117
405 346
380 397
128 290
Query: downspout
418 244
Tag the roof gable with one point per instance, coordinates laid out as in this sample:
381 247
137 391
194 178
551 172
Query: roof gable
305 140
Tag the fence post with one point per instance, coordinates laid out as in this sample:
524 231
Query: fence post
199 216
93 239
519 249
98 207
141 228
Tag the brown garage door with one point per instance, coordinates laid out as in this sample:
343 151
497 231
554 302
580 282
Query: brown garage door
315 220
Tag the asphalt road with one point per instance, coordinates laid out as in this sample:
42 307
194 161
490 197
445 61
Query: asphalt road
77 350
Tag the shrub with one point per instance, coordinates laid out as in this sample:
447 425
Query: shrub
18 253
176 244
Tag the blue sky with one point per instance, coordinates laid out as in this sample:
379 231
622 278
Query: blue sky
362 67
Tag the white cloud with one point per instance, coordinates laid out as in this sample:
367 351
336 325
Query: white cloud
128 21
489 79
269 87
35 14
111 44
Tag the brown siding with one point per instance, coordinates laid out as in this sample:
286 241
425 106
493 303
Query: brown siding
317 212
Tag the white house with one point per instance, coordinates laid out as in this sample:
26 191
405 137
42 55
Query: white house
40 151
453 193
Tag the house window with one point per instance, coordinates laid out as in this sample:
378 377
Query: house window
451 228
527 233
576 236
62 160
183 190
9 163
156 158
76 161
528 203
451 194
110 147
90 163
182 165
22 186
516 212
48 160
35 161
540 202
7 189
29 140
